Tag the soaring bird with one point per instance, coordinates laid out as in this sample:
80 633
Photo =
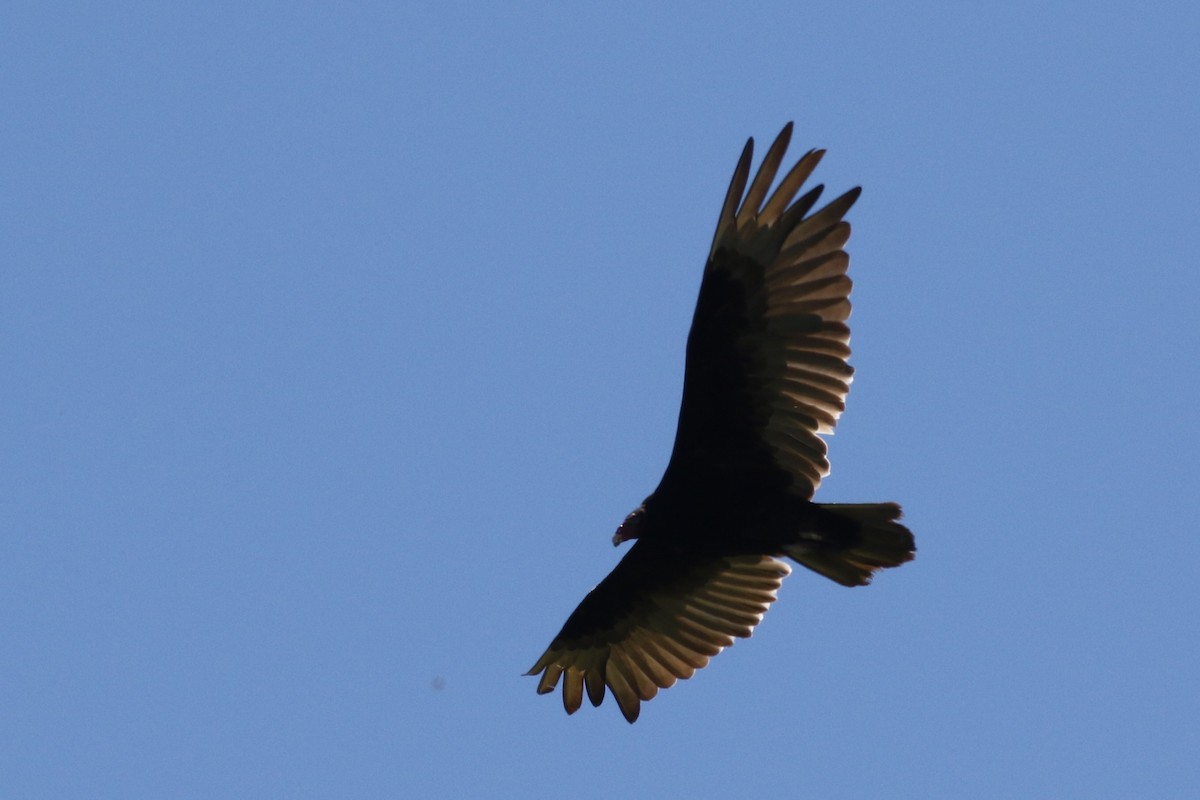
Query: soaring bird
766 375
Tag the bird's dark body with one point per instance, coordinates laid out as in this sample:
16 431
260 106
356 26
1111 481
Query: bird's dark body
726 523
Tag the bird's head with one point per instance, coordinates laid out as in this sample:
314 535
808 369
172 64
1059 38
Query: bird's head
630 528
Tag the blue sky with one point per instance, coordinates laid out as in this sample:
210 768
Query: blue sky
335 341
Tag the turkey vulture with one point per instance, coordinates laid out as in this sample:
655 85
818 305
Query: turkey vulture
765 375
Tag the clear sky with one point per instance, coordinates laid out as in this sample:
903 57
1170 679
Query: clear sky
336 340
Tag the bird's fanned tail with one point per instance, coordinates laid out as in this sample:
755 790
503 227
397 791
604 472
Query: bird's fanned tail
862 538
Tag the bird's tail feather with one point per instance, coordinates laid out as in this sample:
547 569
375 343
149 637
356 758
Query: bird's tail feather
855 540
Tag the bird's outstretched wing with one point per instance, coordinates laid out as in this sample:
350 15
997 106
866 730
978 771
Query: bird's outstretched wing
658 617
767 367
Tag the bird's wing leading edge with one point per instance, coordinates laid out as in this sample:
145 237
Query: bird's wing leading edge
767 367
656 619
